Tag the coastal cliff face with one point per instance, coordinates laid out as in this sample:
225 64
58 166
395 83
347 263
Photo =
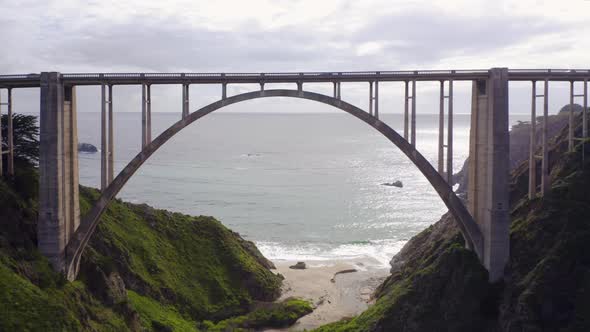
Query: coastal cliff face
145 270
437 285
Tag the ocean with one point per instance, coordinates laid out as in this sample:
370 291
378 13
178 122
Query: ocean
301 186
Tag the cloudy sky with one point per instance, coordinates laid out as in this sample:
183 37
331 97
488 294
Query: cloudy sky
297 35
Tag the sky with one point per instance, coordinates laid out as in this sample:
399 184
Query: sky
296 35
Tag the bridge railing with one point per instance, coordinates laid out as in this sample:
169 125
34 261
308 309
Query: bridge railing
33 80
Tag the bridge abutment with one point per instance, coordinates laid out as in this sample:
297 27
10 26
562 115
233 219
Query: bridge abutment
59 210
489 169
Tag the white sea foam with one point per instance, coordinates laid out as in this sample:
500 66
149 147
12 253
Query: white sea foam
380 251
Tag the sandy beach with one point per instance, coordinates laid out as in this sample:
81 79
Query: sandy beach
348 295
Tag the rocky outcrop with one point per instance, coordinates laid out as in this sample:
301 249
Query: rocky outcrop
397 183
298 266
438 285
87 147
520 143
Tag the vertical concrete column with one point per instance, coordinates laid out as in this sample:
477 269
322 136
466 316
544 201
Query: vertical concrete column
413 128
71 170
532 145
59 211
299 86
148 117
570 134
406 109
441 130
111 137
10 134
371 98
1 152
104 149
376 99
335 90
489 168
143 115
339 91
585 113
450 136
545 141
185 100
223 90
261 86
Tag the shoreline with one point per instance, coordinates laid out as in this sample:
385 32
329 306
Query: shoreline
348 295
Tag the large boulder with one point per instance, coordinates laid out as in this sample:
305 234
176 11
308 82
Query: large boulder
87 147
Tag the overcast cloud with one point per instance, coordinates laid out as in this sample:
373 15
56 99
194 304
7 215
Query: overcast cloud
302 35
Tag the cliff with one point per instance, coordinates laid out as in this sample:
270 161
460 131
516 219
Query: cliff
437 285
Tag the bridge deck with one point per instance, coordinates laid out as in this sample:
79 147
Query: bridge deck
33 80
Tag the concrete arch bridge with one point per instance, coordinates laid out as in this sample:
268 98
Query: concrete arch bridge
484 222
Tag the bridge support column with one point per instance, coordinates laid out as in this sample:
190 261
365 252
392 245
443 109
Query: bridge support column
406 109
111 137
376 99
585 112
533 144
1 152
489 169
441 130
450 135
10 134
371 98
104 150
185 100
59 210
413 120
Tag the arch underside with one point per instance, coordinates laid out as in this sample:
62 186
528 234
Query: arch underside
467 225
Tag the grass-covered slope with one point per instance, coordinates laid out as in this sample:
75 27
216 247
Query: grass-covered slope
144 270
194 263
436 285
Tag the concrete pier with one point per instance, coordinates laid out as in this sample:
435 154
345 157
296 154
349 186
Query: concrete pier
376 99
371 98
545 141
585 114
10 135
59 210
570 134
143 115
489 169
185 101
111 138
104 150
413 121
148 115
441 130
533 144
450 135
406 110
1 146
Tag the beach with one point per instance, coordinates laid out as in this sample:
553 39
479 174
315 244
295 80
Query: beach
347 296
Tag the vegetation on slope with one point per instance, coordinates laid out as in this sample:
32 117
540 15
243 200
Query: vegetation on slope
144 270
436 285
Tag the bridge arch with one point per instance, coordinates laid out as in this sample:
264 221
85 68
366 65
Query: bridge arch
463 218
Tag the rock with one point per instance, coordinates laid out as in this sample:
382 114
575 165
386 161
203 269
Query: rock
397 183
109 287
340 272
298 266
576 107
87 147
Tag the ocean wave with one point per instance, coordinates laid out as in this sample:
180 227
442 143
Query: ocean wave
379 251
